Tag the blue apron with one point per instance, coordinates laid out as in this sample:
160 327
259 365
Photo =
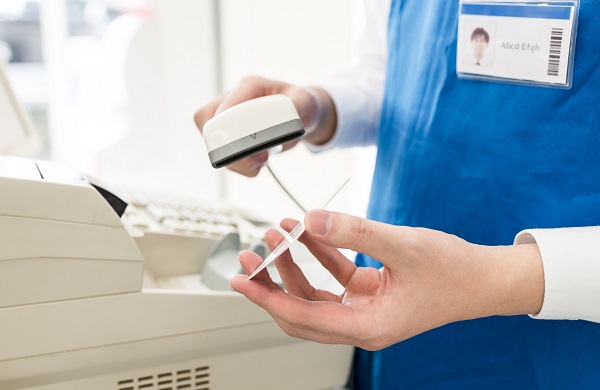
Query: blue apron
483 161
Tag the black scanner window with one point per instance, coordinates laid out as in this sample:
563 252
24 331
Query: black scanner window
254 143
258 148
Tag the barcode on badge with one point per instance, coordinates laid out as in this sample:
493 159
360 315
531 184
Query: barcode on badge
556 39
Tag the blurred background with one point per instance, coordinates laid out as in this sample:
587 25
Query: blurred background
112 87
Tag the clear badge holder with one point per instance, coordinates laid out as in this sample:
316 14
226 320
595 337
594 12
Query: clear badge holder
522 42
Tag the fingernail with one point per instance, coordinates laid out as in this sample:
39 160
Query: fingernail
268 240
318 222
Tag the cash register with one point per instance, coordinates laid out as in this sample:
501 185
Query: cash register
100 293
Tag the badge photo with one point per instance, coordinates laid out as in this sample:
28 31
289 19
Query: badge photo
479 43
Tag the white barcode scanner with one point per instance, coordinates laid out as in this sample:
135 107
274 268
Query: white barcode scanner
251 127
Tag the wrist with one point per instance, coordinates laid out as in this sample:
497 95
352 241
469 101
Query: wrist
520 280
317 114
322 123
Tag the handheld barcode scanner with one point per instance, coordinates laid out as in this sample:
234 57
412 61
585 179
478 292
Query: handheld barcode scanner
251 127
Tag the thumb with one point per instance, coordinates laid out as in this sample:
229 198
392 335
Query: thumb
361 235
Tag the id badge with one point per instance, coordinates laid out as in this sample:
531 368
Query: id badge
525 42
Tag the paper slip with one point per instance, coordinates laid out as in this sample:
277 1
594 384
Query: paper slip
290 238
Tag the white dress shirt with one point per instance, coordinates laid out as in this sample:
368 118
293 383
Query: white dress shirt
570 256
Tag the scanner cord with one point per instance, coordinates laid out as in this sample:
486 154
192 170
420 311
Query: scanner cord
284 189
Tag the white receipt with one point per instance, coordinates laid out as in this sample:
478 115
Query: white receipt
290 238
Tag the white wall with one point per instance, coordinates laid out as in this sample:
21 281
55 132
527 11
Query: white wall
170 71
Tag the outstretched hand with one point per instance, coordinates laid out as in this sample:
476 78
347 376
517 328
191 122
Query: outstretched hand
429 279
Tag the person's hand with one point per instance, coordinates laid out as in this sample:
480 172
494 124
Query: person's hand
313 105
429 279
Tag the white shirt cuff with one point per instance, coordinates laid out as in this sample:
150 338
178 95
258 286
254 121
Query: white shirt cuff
571 261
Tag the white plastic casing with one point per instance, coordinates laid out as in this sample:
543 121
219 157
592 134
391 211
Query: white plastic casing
60 239
248 118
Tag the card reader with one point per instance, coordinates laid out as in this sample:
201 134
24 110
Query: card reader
251 127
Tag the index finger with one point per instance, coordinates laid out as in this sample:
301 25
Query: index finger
337 264
292 276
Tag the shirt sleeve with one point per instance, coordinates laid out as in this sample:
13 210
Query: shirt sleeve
571 261
357 91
